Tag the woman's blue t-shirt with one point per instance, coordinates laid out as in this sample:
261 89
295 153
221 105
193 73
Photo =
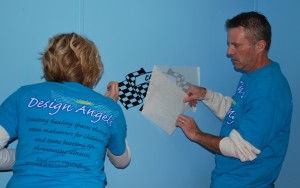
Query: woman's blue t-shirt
63 130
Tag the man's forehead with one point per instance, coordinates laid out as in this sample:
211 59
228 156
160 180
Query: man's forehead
236 35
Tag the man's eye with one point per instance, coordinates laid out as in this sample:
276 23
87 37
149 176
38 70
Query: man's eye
236 45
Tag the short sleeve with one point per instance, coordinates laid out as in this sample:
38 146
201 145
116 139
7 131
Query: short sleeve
117 144
256 125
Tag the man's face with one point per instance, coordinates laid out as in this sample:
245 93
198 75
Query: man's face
241 51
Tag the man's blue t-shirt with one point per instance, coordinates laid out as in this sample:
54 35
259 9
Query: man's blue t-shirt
63 130
261 112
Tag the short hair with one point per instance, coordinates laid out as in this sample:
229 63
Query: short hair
255 24
72 58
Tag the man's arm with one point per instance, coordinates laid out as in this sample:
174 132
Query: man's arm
235 146
232 146
192 132
217 103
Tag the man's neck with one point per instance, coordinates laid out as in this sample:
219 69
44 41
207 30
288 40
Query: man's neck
261 61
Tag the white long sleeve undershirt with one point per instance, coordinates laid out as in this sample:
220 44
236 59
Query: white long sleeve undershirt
7 155
121 161
217 103
233 145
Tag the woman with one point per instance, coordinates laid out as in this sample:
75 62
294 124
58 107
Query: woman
64 128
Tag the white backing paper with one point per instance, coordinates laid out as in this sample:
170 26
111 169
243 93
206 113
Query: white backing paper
164 100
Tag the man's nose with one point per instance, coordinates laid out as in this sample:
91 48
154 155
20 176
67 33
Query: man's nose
229 51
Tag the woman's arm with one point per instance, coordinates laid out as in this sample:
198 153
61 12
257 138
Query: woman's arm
121 161
7 156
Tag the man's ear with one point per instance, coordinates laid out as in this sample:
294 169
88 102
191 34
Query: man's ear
261 45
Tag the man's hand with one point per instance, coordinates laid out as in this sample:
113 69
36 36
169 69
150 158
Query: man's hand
192 132
194 94
188 126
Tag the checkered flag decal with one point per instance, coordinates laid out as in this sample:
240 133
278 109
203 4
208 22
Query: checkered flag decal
130 94
180 80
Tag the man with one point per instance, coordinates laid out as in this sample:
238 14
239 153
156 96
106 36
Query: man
256 120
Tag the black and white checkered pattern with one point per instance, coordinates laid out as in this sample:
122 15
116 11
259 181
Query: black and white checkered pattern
130 94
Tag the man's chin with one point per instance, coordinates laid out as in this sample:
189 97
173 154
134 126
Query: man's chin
237 68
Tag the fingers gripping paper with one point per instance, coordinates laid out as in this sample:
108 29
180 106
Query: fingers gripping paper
164 100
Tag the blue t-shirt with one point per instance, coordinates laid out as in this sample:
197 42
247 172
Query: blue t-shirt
63 130
261 112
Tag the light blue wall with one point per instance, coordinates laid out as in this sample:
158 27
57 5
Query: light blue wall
131 34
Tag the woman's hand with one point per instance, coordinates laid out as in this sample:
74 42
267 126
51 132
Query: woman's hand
113 90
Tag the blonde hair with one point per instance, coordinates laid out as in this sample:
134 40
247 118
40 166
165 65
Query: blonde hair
72 58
